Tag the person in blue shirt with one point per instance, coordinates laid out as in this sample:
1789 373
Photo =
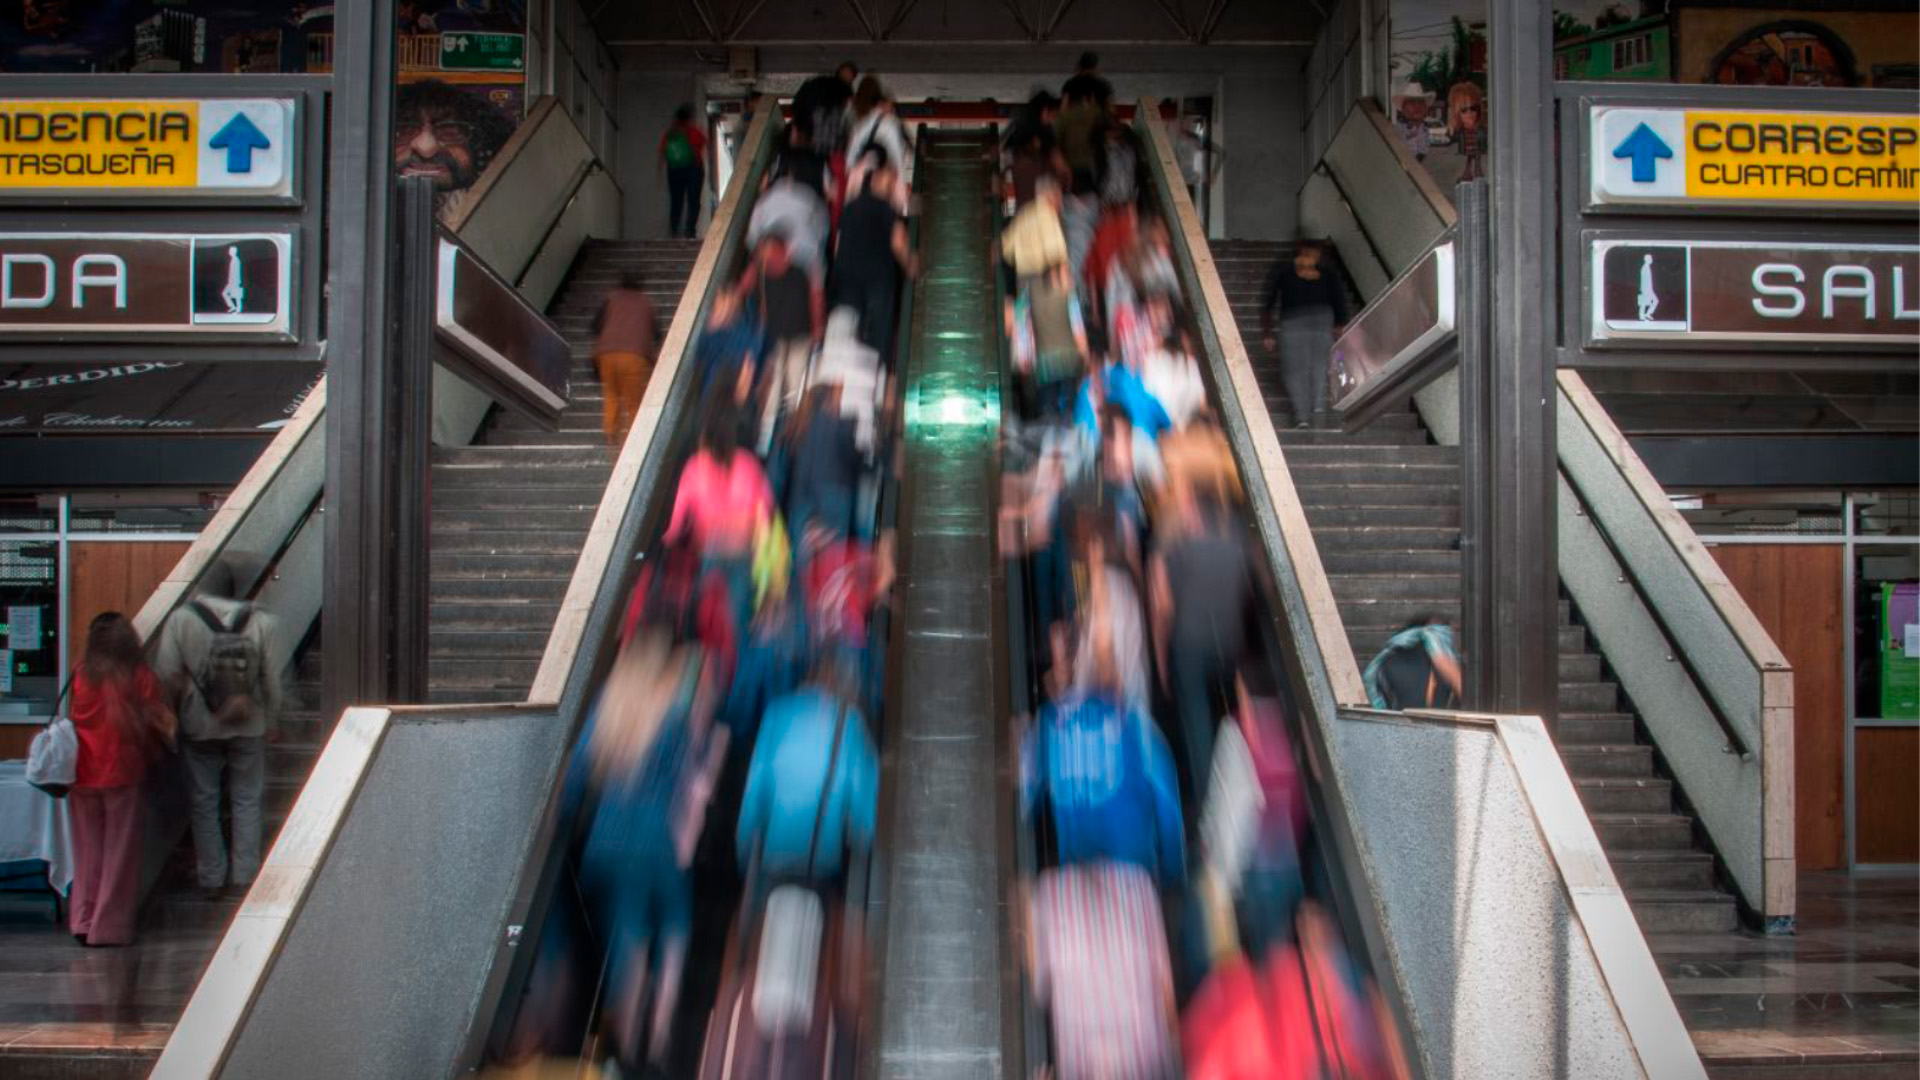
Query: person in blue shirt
806 805
639 780
1108 779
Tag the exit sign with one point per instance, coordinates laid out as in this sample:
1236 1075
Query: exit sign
483 52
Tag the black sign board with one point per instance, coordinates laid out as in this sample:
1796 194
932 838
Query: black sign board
77 287
150 398
496 339
1703 293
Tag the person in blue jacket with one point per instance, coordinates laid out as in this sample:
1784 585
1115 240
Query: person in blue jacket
806 805
1108 779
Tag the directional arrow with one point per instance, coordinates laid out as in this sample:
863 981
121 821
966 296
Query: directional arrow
1643 146
240 138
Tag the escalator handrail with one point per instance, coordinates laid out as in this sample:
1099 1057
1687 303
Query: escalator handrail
216 1014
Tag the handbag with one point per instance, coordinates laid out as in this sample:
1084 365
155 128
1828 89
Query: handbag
54 754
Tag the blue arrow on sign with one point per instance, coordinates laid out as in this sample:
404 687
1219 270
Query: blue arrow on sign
240 138
1643 146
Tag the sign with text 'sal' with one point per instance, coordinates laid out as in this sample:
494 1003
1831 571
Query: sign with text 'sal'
1692 157
1695 293
229 150
112 286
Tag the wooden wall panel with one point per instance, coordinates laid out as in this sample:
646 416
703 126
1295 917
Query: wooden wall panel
1797 591
1886 773
113 576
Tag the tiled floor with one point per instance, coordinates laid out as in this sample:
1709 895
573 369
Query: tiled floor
68 1011
1842 993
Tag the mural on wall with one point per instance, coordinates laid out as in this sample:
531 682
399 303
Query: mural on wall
1439 58
462 62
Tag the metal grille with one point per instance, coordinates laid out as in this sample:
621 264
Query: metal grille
27 565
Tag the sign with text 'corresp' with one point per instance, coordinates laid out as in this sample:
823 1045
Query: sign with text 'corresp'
1780 161
224 149
1681 293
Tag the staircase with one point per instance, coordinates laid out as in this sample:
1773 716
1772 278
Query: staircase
510 514
1385 506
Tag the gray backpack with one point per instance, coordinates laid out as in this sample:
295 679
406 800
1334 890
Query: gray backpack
233 669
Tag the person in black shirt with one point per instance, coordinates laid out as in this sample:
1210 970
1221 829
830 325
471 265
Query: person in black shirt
793 313
797 160
820 107
1087 83
869 256
1312 304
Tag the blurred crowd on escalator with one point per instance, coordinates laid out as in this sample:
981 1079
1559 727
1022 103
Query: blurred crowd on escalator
1181 920
721 800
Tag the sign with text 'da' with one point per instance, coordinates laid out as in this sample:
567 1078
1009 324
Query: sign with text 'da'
231 150
104 287
1707 293
1784 162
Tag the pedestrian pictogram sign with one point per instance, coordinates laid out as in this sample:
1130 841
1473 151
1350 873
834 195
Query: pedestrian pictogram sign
1642 156
220 148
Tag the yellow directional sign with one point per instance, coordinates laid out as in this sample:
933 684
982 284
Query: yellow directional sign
1681 157
209 147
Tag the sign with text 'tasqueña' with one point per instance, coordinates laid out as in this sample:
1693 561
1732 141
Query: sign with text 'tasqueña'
1782 161
224 149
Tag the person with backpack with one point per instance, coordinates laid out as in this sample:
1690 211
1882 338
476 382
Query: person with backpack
1418 668
813 785
123 722
627 331
875 124
217 656
683 158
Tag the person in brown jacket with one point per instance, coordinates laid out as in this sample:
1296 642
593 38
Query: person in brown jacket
624 354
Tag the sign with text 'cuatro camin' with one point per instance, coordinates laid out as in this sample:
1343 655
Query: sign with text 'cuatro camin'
229 149
1693 293
1782 161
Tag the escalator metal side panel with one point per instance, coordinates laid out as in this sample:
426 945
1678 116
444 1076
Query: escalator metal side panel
398 952
940 1001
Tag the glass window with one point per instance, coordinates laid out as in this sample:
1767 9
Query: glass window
1886 513
1886 631
1632 52
27 515
30 645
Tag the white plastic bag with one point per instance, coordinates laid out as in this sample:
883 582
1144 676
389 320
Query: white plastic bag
52 756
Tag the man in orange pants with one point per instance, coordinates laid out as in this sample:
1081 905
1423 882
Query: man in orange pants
623 354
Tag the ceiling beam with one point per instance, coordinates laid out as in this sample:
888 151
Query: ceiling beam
866 23
1020 17
1211 22
1053 23
900 14
1175 12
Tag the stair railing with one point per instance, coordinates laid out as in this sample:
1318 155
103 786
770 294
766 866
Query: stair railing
1461 828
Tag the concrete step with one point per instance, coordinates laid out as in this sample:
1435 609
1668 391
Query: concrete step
1639 871
1608 761
520 457
1318 491
1625 795
1610 729
523 497
444 642
1403 562
455 565
483 672
1395 473
1644 832
583 436
1383 538
1592 697
569 521
1323 516
525 589
1573 639
1390 613
1395 456
488 613
1430 587
512 474
1684 911
1581 667
476 695
533 536
1292 438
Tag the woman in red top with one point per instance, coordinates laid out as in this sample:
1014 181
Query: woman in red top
122 718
